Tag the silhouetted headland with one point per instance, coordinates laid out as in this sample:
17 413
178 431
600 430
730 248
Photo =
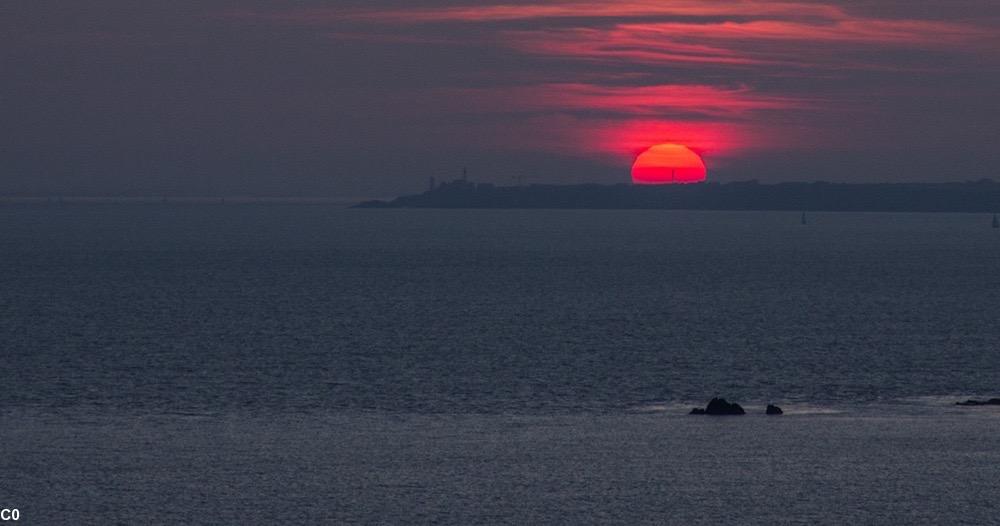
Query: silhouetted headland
979 197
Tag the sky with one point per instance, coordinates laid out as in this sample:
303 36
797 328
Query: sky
371 98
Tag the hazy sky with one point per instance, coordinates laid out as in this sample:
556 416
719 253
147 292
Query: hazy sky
370 98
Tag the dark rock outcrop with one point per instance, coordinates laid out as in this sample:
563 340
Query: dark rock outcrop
719 407
991 401
774 410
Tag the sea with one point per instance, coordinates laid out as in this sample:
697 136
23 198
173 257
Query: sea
290 363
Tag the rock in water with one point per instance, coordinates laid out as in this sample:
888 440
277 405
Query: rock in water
991 401
774 410
719 406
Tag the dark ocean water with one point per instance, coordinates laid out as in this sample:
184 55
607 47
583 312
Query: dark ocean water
304 363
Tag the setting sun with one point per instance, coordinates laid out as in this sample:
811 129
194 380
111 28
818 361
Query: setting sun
668 164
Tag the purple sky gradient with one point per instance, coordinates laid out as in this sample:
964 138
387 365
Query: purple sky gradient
368 99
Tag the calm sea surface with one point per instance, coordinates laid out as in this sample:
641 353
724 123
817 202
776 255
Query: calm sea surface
260 364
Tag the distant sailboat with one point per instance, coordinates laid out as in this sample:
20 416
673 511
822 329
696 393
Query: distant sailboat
996 221
804 222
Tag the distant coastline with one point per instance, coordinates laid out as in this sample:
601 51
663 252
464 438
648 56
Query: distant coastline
974 197
175 200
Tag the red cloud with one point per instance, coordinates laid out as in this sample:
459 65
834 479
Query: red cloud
647 101
815 45
583 9
718 43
